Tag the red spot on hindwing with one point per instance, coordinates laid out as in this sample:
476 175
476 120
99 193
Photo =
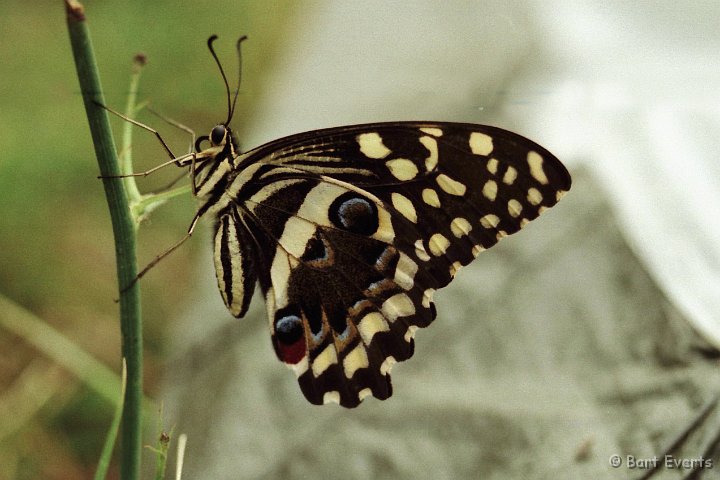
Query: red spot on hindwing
291 353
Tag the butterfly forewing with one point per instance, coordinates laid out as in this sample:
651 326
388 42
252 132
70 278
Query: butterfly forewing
354 228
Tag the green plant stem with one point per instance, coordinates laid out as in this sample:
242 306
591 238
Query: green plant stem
130 110
124 232
161 453
107 450
149 202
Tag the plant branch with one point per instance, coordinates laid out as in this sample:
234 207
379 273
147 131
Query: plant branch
124 232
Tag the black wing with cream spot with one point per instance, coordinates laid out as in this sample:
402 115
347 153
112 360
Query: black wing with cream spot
354 228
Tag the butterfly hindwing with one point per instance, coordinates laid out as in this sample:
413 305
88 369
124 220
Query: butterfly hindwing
354 229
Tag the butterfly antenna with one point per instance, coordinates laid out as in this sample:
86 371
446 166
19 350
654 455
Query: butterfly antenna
222 72
239 80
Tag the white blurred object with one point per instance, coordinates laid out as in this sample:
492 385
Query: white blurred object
633 91
354 62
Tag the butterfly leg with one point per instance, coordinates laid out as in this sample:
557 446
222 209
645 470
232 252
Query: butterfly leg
176 124
182 127
141 125
167 252
178 161
174 161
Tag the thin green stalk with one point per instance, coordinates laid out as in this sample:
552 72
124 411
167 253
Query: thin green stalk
161 452
107 450
141 205
124 232
149 202
130 110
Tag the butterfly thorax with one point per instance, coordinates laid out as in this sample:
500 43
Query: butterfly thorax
215 166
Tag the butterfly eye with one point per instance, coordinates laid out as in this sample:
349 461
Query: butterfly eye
354 213
217 135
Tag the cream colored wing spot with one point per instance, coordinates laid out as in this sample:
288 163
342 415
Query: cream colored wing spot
405 272
331 397
448 185
500 235
559 195
431 144
438 244
492 165
490 190
371 324
524 222
279 273
427 297
480 143
477 250
454 268
301 367
364 393
403 205
387 365
510 176
542 210
385 232
430 197
355 360
534 196
372 146
535 161
323 361
514 208
399 305
296 234
490 221
270 308
420 251
435 132
410 333
402 169
460 226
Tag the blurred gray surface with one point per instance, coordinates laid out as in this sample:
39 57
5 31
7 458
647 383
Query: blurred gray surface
550 353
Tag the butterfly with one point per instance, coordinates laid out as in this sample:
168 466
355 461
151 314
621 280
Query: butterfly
349 231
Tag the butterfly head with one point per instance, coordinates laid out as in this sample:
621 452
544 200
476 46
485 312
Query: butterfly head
222 136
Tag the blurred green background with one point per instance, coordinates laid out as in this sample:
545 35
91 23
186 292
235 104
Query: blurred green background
56 249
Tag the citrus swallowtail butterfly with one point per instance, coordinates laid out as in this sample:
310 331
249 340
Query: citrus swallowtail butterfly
350 230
